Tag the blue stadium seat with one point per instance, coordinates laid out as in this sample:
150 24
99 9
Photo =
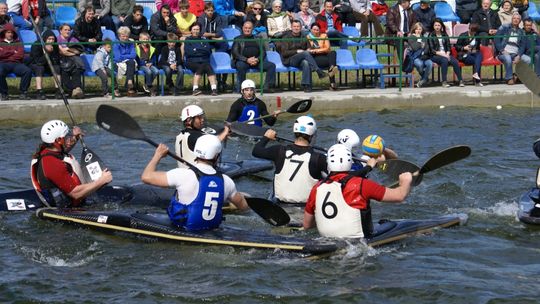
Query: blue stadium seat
444 11
65 14
345 60
230 33
27 36
147 12
415 6
352 31
108 34
221 63
533 12
87 59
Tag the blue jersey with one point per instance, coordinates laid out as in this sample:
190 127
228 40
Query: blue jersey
204 212
249 112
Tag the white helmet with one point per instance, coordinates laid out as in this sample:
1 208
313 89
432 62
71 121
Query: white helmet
191 111
53 129
207 147
349 138
248 83
305 125
339 158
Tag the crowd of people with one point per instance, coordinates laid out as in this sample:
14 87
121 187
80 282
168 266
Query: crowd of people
187 32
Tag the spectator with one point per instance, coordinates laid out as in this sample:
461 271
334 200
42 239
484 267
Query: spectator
120 10
101 65
323 54
197 55
136 22
4 17
417 45
465 9
521 6
38 10
11 61
290 6
125 59
425 15
294 52
364 15
211 27
468 52
258 17
196 7
511 47
87 28
330 24
71 64
227 9
380 9
184 19
102 9
305 16
344 10
439 52
38 62
488 21
399 21
170 60
161 24
15 12
146 59
247 55
172 4
532 43
278 22
505 12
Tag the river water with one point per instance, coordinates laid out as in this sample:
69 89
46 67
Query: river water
492 259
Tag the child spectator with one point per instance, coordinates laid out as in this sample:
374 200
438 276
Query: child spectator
184 19
101 65
171 62
146 58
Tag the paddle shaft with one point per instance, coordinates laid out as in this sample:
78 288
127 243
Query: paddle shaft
297 107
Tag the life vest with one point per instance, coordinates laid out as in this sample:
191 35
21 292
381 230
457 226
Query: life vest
204 212
251 111
334 217
182 149
294 182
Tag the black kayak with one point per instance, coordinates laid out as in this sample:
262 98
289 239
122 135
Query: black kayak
159 226
136 194
526 204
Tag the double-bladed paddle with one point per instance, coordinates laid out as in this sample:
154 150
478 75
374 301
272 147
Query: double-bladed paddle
529 78
122 124
389 170
301 106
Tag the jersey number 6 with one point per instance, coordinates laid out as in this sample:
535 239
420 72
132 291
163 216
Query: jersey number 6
327 204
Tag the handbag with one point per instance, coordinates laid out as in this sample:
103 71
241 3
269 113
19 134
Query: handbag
71 63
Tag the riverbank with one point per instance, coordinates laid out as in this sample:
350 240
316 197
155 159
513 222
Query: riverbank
325 102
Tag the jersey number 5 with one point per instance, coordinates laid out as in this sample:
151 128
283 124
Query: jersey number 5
327 204
210 206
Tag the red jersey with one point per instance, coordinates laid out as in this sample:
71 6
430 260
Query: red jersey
58 172
357 192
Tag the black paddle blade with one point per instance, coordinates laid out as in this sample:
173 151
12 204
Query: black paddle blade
301 106
91 165
118 122
247 129
446 157
270 212
389 171
528 77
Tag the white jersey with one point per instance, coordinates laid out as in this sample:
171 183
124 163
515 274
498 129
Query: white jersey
294 182
187 185
182 149
334 217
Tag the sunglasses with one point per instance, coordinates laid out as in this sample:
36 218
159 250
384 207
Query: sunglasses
257 8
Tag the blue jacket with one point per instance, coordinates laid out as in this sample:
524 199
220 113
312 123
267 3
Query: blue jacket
224 7
531 43
197 51
505 30
124 51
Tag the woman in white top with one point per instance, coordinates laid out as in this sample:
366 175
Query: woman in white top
278 21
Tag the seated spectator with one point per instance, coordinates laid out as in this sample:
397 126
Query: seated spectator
39 65
146 59
439 52
468 52
258 17
11 61
465 9
364 15
330 24
170 60
136 22
290 7
125 59
417 45
425 15
87 28
247 55
211 27
511 48
532 43
120 10
294 52
42 17
323 54
226 9
197 58
101 65
305 16
102 10
488 21
380 9
161 24
15 12
172 4
278 21
505 12
521 6
184 19
399 21
196 7
71 64
4 17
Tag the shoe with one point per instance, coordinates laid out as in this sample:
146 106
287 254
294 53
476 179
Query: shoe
445 84
117 93
107 95
153 92
24 96
322 74
4 97
475 76
131 92
58 95
77 93
510 82
307 89
333 87
214 92
461 83
420 83
479 84
145 88
197 92
332 71
40 95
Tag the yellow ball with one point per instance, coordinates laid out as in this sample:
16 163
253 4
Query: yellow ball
373 146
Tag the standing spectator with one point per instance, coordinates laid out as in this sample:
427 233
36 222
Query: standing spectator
465 9
294 52
247 54
170 60
417 45
125 59
161 24
468 52
364 15
330 24
278 21
399 21
38 10
87 28
323 54
425 15
11 61
505 12
38 62
258 17
439 52
521 6
305 16
196 7
511 47
227 9
211 27
146 59
136 22
4 17
15 11
101 65
532 43
71 64
197 56
380 9
488 21
102 9
120 10
184 19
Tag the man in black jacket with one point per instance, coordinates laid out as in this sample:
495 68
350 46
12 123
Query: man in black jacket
246 55
425 15
465 9
88 29
488 21
136 22
162 23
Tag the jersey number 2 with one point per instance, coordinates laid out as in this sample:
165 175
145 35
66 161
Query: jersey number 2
251 116
327 204
210 206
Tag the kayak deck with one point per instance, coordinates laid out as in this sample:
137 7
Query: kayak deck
526 204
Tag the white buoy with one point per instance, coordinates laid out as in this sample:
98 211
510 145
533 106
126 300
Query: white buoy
498 107
441 107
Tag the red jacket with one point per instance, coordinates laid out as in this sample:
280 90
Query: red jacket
14 51
320 19
379 9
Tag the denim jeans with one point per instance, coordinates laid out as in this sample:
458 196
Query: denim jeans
179 77
333 33
443 62
307 64
507 60
150 73
474 59
423 67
